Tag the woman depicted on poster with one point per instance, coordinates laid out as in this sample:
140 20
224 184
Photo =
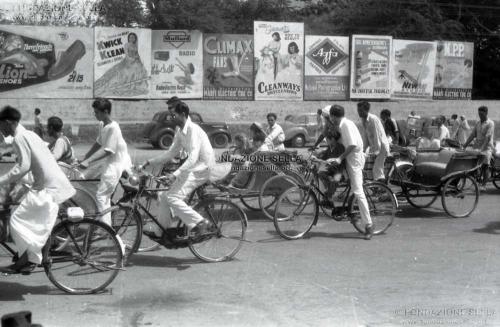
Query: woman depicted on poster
273 49
128 77
266 66
291 65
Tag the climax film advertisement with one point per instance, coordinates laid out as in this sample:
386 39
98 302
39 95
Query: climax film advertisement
454 70
228 67
413 65
177 64
122 62
370 67
326 74
279 53
46 62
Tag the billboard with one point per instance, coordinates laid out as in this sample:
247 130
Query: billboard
413 65
326 72
177 57
454 70
279 55
122 62
46 62
370 67
227 67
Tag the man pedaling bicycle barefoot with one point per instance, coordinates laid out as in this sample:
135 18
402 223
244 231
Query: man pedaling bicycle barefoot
32 221
194 172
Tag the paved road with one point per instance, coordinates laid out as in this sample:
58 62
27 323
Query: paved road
428 270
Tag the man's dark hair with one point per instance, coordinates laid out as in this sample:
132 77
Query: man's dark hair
181 108
272 115
55 123
385 112
337 111
10 113
103 105
454 116
37 111
483 109
319 112
364 105
173 100
333 134
259 137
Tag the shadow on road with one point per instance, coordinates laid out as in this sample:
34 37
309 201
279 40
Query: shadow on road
492 227
428 213
144 260
16 291
335 235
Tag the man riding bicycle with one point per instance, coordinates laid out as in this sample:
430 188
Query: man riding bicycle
195 171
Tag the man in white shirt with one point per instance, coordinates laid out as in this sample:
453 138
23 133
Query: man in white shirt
442 133
355 161
275 136
32 221
195 171
110 146
373 134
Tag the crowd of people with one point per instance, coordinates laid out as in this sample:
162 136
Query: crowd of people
347 144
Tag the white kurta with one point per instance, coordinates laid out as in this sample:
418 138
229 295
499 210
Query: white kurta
374 136
275 138
34 218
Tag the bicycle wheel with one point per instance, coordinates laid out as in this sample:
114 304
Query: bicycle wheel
147 244
382 205
459 196
296 212
421 199
272 189
86 264
127 223
495 176
226 234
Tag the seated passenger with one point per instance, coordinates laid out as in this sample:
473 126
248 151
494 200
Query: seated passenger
60 146
427 140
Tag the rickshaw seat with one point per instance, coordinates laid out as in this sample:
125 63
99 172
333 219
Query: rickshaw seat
433 163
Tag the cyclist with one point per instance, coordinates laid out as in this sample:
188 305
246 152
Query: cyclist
483 132
110 146
374 137
195 171
60 146
355 160
32 221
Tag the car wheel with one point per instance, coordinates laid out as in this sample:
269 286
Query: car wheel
220 140
165 141
298 141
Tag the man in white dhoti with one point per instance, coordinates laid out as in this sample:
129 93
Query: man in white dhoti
194 172
111 146
32 221
355 160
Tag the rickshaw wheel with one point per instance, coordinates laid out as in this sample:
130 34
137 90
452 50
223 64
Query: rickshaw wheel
459 196
421 199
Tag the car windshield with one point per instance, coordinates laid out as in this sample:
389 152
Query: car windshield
296 119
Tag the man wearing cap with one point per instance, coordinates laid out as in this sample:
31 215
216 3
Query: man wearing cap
275 139
355 161
327 125
374 137
195 171
32 221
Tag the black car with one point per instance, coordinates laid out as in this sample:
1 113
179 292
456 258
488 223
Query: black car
160 132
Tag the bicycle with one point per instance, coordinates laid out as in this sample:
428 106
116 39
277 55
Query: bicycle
297 208
87 260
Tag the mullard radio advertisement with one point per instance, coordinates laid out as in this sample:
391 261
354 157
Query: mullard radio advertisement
122 62
454 68
46 62
227 67
177 57
279 56
370 67
413 65
326 73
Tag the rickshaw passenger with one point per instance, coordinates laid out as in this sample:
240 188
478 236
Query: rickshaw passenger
275 136
32 221
483 132
374 137
60 146
442 133
334 150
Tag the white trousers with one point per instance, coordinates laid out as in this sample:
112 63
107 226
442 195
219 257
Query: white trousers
355 164
32 222
109 179
174 198
378 165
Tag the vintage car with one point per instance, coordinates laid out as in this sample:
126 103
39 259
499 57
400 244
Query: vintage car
300 129
160 131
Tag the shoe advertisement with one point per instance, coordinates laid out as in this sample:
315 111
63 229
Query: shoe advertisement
45 62
228 67
122 62
177 58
